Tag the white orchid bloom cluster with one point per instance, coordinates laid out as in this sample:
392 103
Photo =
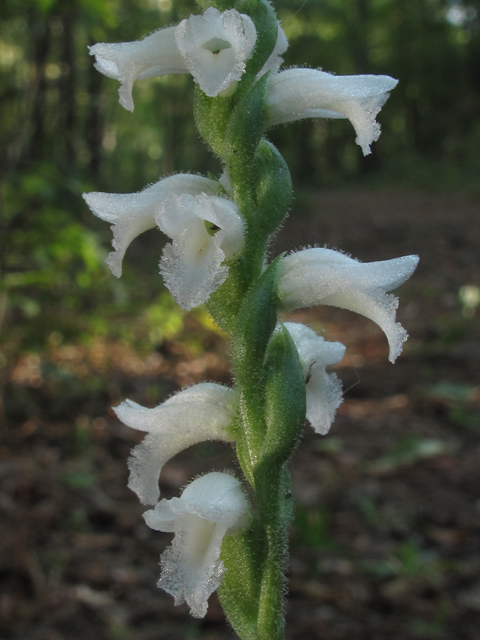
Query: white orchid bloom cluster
218 232
211 507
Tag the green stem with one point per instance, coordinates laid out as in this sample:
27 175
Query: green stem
275 507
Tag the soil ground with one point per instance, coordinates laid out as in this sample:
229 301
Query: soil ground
386 540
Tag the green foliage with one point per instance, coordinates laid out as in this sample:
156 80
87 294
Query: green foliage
239 598
312 529
58 138
243 134
273 187
285 404
408 451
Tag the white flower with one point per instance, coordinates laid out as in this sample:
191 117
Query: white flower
215 47
155 55
323 276
212 47
295 94
275 60
206 231
211 507
202 412
324 390
133 213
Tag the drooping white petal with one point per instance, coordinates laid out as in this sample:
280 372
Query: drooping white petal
193 264
295 94
275 60
198 413
323 276
211 507
324 390
133 213
155 55
215 47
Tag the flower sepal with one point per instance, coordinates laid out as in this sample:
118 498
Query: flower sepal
324 276
205 411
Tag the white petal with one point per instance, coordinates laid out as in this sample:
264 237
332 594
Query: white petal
210 507
199 413
215 47
216 497
192 267
295 94
324 390
133 213
193 264
323 276
155 55
275 60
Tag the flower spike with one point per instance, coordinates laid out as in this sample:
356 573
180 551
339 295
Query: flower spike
295 94
323 276
133 213
211 507
324 390
202 412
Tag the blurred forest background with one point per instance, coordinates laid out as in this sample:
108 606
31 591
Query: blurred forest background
387 532
63 132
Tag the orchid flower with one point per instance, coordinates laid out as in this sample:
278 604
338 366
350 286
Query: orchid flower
323 276
202 412
324 390
133 213
212 47
295 94
211 507
215 47
206 231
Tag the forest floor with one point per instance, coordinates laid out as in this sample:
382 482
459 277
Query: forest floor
386 539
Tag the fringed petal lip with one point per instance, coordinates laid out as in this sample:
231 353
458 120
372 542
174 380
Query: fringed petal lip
210 508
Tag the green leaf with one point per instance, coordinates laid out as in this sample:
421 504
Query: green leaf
211 117
273 187
255 324
240 588
243 134
285 405
263 15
